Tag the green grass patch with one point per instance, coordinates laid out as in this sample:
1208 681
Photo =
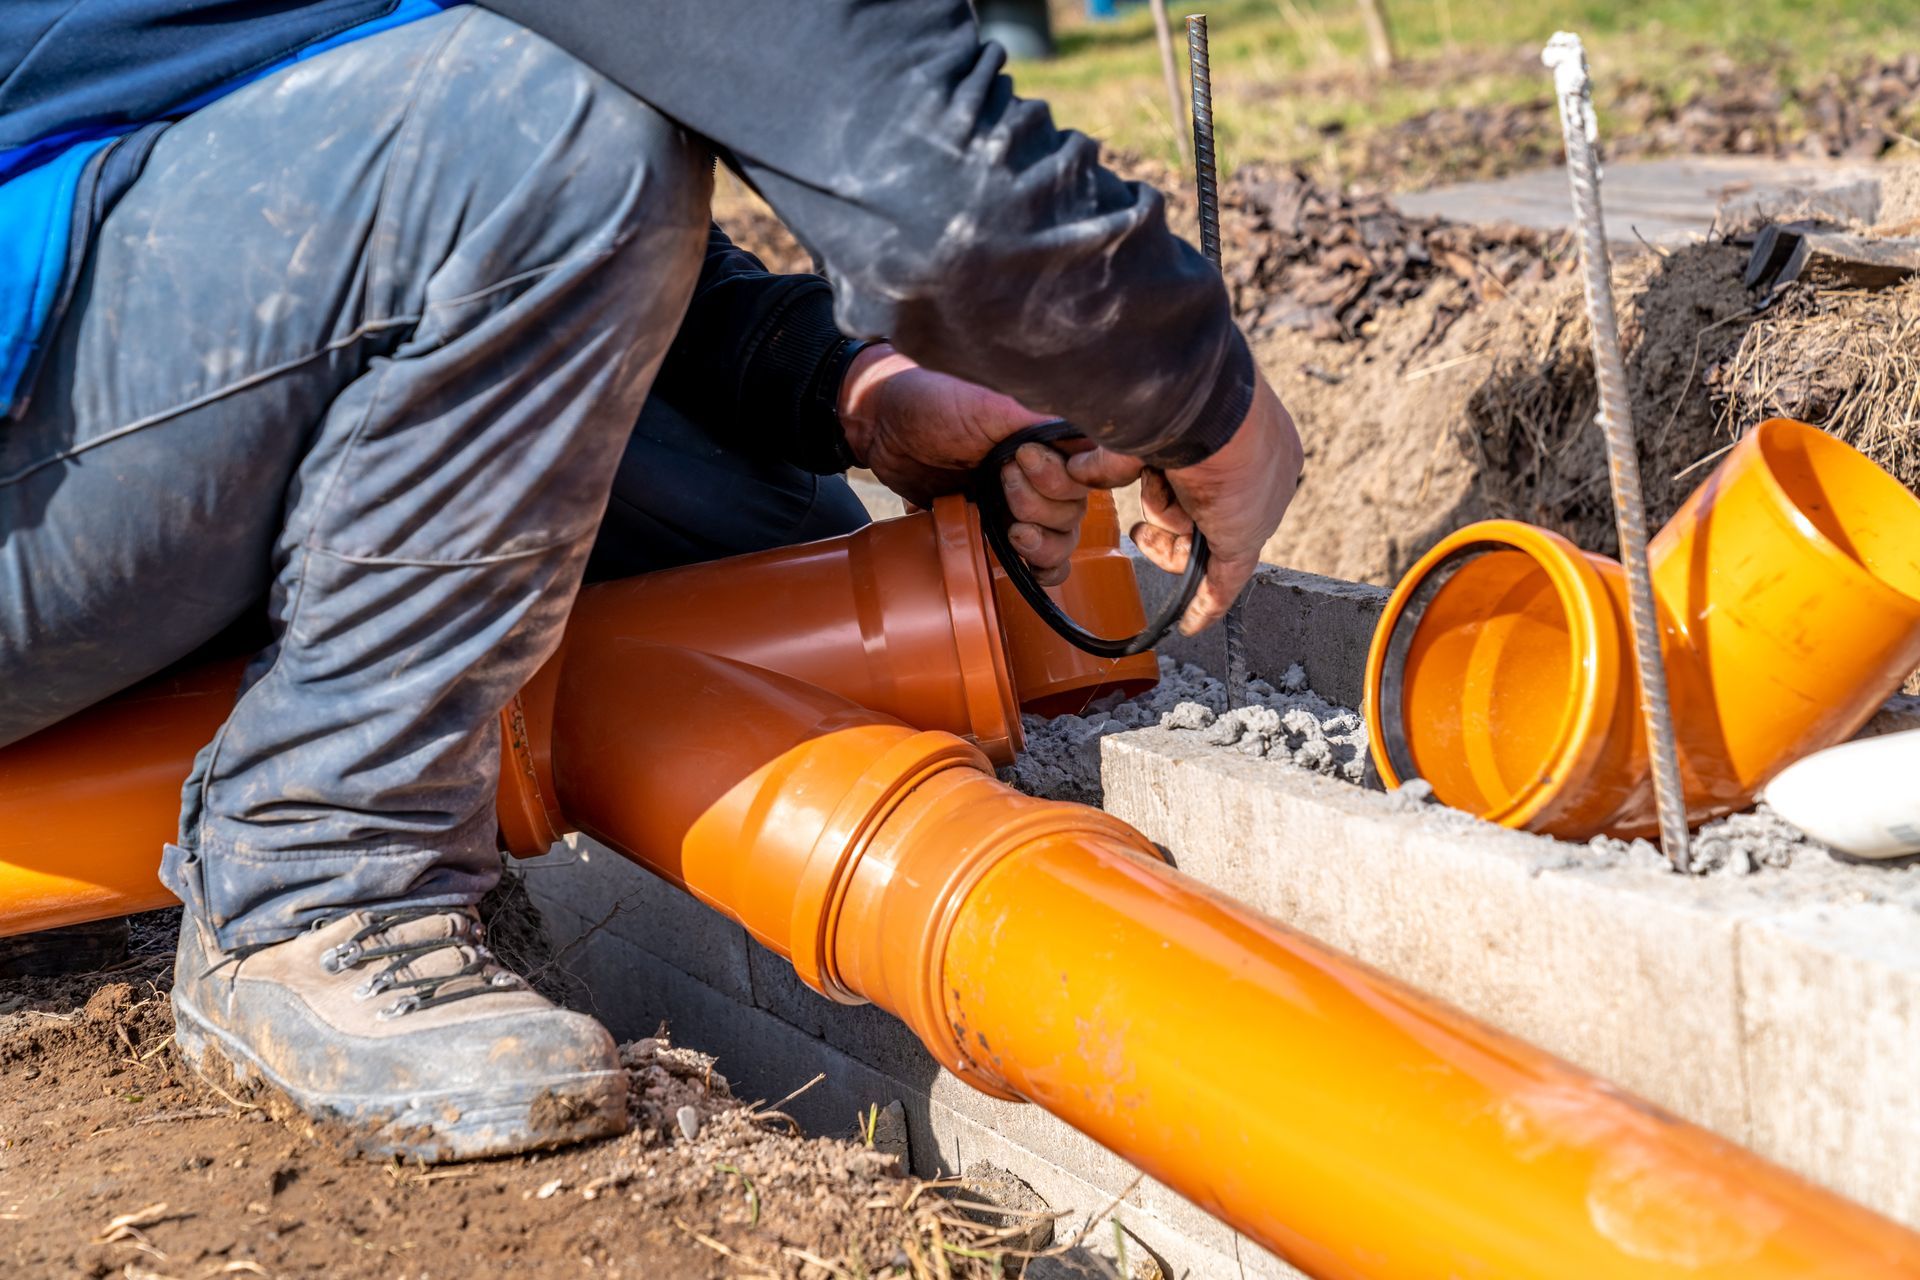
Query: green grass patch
1291 81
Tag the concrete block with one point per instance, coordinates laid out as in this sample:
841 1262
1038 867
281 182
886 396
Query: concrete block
1035 1130
592 883
871 1035
1783 1023
763 1058
1475 916
1188 1253
1324 624
1830 996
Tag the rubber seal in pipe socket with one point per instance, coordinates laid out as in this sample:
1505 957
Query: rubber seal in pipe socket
996 520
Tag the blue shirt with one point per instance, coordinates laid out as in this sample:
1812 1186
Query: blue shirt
59 56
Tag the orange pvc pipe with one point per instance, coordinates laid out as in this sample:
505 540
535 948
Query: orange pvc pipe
86 804
1788 587
901 615
1043 951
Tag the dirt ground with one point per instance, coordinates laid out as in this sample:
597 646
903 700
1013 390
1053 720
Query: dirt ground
1760 105
116 1160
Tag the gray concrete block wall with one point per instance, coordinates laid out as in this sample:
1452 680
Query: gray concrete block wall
1830 1016
1324 624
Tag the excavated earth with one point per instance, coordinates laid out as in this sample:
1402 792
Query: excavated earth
116 1160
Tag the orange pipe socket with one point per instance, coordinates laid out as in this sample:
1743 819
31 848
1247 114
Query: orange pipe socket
1788 587
901 615
1043 951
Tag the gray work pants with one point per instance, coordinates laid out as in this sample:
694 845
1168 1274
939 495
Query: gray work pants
367 338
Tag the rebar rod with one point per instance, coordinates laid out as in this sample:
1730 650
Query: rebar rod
1207 187
1205 174
1573 86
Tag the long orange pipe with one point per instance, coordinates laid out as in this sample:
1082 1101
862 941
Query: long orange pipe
1044 951
86 804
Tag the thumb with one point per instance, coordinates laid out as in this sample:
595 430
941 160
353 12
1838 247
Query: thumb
1103 468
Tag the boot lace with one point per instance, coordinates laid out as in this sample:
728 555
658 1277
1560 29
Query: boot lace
430 990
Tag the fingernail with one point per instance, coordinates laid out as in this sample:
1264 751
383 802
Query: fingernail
1031 456
1023 537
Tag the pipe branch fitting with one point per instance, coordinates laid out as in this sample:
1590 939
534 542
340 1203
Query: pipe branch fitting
1788 594
841 839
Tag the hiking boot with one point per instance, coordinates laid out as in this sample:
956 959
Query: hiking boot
74 948
401 1026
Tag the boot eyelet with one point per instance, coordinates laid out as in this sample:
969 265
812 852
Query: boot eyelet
370 988
344 956
399 1008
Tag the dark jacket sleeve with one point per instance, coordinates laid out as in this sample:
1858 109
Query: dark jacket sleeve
952 216
752 359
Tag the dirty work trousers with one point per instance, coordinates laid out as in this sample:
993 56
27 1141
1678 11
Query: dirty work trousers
367 338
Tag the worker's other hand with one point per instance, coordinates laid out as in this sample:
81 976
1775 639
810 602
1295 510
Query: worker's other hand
1236 497
922 433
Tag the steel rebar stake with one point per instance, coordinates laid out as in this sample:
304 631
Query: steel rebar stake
1574 89
1207 185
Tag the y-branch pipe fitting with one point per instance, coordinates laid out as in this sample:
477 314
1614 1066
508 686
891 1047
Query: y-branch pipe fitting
908 617
1788 589
1043 951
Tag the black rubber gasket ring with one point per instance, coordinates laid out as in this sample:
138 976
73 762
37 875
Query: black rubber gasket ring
996 520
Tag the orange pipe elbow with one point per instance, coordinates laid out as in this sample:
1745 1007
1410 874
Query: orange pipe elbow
1788 587
1043 951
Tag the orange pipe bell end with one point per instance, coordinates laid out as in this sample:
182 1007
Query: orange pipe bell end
1102 594
1788 587
86 804
1044 951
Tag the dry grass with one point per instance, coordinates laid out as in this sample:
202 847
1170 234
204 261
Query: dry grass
1542 459
1844 360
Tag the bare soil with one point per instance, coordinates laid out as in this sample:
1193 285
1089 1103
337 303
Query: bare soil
117 1160
1750 105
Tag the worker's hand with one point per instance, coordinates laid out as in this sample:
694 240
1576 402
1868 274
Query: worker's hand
1236 497
923 432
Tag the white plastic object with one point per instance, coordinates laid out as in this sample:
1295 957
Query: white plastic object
1862 798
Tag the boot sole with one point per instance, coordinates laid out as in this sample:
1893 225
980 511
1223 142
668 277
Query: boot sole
432 1127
